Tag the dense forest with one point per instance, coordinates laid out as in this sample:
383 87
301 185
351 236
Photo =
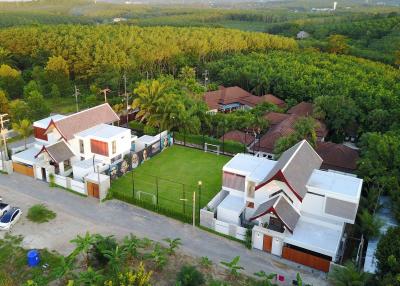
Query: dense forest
92 51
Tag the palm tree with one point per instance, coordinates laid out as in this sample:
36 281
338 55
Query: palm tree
119 109
305 129
23 128
83 245
148 100
116 258
266 278
347 276
369 224
90 277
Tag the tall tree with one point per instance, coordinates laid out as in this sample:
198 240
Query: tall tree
57 72
347 275
3 102
38 107
337 44
23 128
11 81
19 110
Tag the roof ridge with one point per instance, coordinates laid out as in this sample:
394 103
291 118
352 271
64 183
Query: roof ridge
85 110
295 152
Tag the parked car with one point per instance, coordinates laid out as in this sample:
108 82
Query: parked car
10 218
4 208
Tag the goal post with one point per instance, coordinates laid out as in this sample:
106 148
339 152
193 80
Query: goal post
212 148
141 194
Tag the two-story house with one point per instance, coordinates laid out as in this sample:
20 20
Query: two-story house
82 139
296 210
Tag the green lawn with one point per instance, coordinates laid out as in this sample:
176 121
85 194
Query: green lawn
175 173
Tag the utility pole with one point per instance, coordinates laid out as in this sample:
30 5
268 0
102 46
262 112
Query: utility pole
127 100
205 74
3 131
104 91
76 94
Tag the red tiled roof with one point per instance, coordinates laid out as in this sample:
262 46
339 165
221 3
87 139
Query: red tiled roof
80 121
275 118
228 95
274 100
238 136
337 156
302 109
283 125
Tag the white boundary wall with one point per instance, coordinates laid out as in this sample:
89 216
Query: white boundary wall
71 184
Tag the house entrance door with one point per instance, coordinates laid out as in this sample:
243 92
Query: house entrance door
93 190
267 244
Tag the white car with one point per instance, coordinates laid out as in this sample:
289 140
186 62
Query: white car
4 208
10 218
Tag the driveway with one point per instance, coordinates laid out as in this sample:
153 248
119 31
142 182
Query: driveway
76 215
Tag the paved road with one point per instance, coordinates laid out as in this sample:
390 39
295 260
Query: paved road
79 214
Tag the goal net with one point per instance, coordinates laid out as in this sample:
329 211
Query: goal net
141 195
211 148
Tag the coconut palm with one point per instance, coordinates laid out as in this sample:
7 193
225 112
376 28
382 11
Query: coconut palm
149 95
83 245
23 128
348 275
369 224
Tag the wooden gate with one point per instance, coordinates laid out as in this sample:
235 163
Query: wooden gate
267 243
23 169
93 190
307 259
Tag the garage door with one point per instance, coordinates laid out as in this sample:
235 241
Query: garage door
23 169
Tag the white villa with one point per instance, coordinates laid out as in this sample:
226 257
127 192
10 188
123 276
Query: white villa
295 210
74 146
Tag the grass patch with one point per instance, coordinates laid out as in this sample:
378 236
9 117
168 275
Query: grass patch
14 268
174 175
40 213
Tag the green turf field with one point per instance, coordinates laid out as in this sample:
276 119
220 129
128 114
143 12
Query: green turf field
175 173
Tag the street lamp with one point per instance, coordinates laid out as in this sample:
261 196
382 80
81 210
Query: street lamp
199 184
194 208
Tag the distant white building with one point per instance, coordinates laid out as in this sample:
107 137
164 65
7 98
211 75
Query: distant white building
302 35
296 211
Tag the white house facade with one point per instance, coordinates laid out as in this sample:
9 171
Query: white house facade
295 210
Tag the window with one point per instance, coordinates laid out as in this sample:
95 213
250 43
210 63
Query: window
99 147
114 147
81 146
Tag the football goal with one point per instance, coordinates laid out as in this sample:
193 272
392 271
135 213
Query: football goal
142 194
212 148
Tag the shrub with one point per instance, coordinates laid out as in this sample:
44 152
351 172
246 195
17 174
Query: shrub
149 130
248 241
136 125
40 214
102 244
190 276
52 182
205 262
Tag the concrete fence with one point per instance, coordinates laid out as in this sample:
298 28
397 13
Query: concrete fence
213 204
70 184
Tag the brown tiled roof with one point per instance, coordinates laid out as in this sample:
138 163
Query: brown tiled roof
275 118
80 121
59 151
228 95
337 156
302 109
282 129
238 136
274 100
296 166
283 125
